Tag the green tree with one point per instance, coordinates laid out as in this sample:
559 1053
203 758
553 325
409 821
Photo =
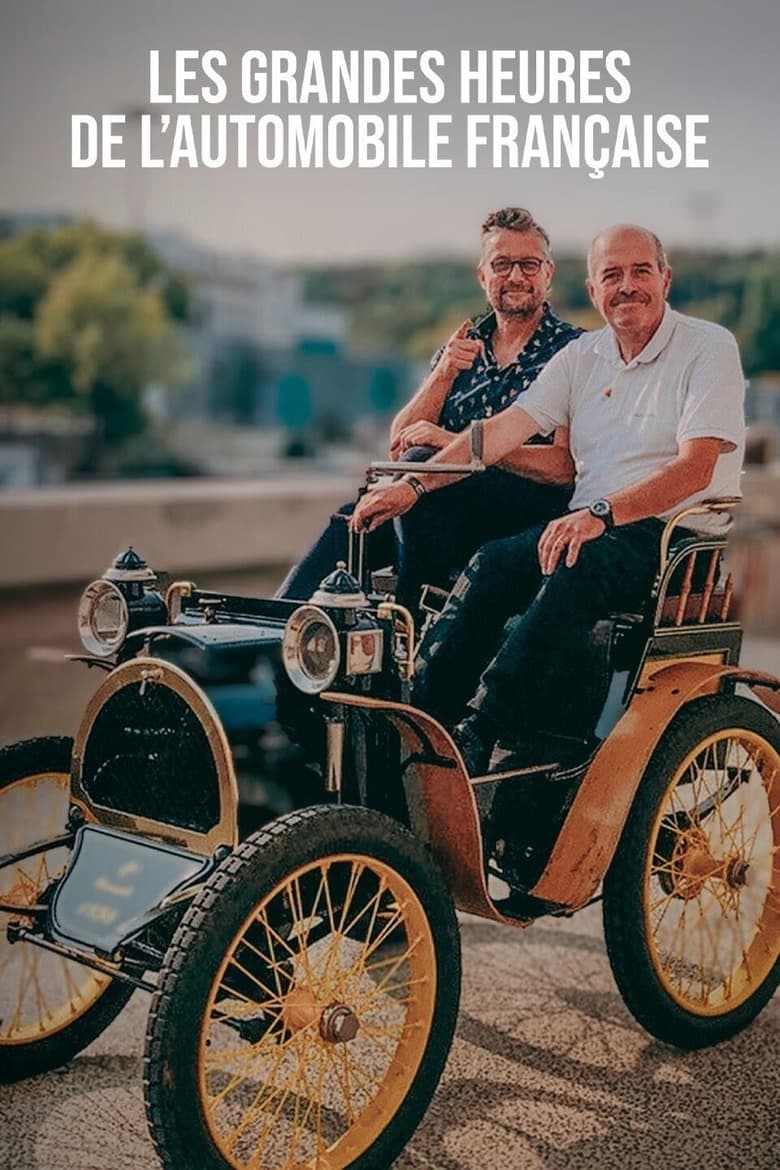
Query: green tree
23 278
87 318
38 255
111 335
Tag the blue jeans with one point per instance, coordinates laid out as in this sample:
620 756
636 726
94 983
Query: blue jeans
469 660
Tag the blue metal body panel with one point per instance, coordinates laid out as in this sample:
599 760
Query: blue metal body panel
114 884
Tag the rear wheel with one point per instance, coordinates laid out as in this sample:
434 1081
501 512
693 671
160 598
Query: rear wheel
308 1001
692 899
50 1007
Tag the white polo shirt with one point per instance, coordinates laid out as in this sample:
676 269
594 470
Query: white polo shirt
627 419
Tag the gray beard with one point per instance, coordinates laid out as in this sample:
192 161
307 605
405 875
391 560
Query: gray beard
522 311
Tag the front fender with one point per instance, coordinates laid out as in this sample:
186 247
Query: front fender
442 804
595 821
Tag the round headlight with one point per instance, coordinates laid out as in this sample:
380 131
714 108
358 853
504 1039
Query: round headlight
310 649
103 619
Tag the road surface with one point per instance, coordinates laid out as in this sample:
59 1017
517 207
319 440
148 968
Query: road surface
548 1071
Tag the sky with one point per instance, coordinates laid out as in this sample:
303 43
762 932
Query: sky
714 57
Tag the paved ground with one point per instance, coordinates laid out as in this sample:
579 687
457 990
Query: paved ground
548 1069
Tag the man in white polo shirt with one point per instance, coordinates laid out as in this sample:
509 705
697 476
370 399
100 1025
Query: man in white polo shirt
654 408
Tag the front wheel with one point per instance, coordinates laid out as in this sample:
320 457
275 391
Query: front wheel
50 1007
307 1002
692 899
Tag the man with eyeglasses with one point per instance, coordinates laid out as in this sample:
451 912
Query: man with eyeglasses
484 367
653 404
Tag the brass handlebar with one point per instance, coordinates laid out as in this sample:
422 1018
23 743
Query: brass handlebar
174 594
403 626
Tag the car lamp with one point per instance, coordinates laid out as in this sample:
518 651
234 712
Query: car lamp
332 633
310 649
122 600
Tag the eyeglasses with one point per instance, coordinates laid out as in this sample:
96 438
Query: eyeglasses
529 265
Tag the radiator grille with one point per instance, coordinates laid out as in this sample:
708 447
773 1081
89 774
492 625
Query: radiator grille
148 755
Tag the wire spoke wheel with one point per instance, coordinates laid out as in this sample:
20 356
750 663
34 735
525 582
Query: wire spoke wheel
713 901
700 859
50 1007
326 1021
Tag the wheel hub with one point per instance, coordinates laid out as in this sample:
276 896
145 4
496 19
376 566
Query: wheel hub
693 865
22 893
301 1009
336 1022
21 896
736 872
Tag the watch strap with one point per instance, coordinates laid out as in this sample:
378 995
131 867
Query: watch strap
415 483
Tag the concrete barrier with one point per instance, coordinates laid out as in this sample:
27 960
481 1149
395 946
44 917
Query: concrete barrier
53 536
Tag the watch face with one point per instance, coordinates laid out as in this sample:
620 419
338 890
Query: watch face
600 508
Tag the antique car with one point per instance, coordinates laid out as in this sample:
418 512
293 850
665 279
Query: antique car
305 978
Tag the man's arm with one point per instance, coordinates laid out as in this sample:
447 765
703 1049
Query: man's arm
543 462
458 354
689 472
711 423
503 433
500 435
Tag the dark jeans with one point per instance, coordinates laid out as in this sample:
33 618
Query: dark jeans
332 546
444 529
437 537
511 675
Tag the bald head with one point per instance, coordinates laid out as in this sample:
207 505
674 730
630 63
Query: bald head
620 236
628 280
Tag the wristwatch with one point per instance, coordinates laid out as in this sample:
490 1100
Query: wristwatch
602 510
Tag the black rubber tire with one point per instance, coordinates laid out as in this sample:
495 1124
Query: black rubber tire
30 757
171 1076
628 946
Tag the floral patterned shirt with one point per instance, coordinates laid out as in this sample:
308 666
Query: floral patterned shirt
488 388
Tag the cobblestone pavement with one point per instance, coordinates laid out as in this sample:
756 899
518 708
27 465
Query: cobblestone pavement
548 1069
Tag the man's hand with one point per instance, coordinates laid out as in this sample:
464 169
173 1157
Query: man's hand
460 352
381 504
419 434
567 535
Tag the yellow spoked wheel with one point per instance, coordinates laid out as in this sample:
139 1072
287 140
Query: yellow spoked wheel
692 901
308 1001
50 1007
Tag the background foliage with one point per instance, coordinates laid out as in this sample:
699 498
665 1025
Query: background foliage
409 308
87 320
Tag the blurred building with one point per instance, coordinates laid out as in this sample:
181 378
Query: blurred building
265 357
261 358
39 447
232 296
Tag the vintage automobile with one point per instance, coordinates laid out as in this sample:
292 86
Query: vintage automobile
305 979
